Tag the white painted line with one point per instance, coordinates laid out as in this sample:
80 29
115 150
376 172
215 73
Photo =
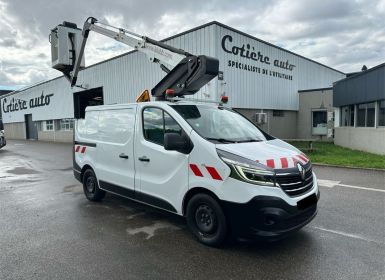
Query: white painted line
327 183
360 188
356 236
332 184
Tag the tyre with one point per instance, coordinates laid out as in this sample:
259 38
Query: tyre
91 186
206 220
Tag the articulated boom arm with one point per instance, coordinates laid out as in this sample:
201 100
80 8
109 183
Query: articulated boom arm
186 73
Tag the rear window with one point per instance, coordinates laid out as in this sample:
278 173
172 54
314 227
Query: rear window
88 127
112 126
116 126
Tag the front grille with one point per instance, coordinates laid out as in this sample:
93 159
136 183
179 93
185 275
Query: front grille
291 182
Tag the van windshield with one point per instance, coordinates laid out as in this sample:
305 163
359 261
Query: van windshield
218 124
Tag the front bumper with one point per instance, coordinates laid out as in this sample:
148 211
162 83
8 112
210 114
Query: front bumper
267 217
3 142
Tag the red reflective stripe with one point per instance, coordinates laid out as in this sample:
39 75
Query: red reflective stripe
77 148
284 163
270 163
300 159
83 150
214 173
303 158
196 170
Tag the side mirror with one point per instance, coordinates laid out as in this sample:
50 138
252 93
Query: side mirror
179 143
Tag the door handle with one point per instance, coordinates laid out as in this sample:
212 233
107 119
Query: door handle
123 155
144 158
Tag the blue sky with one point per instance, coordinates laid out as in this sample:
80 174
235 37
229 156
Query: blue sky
343 34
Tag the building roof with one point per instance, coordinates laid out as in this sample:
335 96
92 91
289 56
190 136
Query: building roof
366 86
315 89
358 74
3 91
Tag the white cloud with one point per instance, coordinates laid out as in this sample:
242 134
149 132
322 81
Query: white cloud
343 34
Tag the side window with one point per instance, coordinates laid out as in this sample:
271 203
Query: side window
153 125
170 125
92 119
116 126
156 123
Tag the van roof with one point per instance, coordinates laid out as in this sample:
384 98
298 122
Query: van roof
125 105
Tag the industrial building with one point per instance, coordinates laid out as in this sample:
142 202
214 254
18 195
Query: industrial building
262 82
360 110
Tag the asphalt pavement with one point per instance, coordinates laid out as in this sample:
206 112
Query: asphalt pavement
49 230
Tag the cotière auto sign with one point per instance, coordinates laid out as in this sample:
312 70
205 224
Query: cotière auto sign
15 104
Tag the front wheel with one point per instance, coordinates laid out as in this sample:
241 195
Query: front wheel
206 220
91 187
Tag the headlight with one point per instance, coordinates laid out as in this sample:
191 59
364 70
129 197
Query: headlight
248 170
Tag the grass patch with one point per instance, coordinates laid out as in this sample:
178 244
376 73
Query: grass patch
328 153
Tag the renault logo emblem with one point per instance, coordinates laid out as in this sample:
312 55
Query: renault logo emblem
301 170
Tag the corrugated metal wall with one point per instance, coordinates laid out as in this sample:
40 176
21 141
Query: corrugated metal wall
248 89
125 77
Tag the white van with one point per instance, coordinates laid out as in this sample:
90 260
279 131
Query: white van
198 160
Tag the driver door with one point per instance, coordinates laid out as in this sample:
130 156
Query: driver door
161 176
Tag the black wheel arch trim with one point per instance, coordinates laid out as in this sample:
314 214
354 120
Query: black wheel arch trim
193 191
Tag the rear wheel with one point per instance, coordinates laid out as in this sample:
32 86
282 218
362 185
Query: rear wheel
206 220
91 187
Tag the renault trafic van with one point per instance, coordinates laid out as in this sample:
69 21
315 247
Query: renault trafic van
201 161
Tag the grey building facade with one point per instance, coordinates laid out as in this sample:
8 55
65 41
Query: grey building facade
360 110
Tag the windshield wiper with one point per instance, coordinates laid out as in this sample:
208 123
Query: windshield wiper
249 140
222 140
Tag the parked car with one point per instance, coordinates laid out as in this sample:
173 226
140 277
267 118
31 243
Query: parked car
3 142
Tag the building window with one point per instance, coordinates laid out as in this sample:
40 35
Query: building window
48 125
66 124
361 112
347 115
371 114
278 113
381 113
366 114
320 124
